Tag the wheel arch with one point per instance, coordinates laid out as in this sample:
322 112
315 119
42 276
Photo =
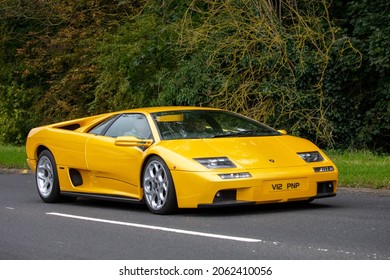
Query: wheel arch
40 149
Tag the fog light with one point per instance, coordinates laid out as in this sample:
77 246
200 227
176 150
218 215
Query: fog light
235 175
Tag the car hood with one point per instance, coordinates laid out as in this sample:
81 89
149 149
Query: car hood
246 152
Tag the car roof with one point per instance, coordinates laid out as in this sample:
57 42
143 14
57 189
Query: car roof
165 109
86 122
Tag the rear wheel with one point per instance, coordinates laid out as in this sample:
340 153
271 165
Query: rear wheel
46 178
159 190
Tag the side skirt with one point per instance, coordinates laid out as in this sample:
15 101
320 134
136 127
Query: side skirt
102 197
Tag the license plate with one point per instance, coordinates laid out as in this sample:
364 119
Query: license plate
286 185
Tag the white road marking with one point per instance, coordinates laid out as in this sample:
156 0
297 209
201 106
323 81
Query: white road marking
196 233
203 234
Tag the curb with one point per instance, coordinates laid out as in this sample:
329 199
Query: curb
15 171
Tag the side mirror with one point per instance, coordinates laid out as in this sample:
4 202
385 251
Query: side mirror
131 141
283 131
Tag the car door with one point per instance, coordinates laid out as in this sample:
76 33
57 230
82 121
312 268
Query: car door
116 169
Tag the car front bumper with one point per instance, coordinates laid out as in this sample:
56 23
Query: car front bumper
207 189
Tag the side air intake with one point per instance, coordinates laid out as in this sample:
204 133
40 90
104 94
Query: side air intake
75 177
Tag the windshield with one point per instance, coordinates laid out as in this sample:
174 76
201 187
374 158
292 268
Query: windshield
195 124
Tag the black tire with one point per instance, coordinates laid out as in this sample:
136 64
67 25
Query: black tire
159 190
46 178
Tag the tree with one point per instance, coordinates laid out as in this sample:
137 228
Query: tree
284 62
361 113
270 59
49 50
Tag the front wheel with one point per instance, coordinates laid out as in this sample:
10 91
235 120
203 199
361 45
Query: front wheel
46 178
159 190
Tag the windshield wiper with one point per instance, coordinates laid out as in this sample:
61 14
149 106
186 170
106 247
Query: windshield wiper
239 133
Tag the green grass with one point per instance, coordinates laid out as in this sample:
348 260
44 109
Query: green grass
13 157
356 168
362 169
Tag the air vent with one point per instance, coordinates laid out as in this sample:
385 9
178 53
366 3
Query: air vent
225 195
325 187
70 126
75 177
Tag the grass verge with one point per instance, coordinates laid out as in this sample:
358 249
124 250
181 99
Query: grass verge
362 169
13 157
356 168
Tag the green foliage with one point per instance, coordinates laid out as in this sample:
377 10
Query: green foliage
371 33
191 83
130 63
370 27
287 63
361 95
270 59
16 91
16 118
57 56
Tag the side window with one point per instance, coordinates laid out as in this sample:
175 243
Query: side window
130 125
101 128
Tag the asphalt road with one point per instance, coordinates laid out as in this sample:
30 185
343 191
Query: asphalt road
353 225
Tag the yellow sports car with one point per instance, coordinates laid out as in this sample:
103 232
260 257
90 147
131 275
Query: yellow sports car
176 157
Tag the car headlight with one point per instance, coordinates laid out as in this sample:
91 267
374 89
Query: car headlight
311 156
216 162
